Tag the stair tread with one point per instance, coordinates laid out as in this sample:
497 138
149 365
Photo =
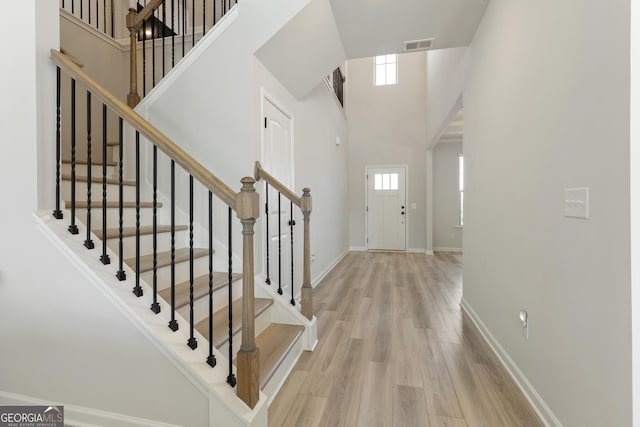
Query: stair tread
110 204
164 258
200 287
274 343
114 233
93 163
98 180
221 320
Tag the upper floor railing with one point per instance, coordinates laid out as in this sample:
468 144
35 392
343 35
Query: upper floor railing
161 32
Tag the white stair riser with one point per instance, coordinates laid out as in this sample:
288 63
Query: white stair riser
146 243
128 191
113 219
200 267
220 300
96 169
262 322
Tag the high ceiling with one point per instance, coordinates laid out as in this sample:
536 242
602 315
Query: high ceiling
374 27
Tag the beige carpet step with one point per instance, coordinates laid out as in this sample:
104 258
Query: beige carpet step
110 204
98 180
200 288
221 320
275 343
114 233
164 258
94 161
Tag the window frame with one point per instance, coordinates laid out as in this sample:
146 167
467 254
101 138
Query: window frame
386 63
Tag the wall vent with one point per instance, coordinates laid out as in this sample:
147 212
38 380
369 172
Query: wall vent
414 45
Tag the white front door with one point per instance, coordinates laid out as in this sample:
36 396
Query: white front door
386 208
277 160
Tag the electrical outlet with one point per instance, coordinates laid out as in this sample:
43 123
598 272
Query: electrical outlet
524 321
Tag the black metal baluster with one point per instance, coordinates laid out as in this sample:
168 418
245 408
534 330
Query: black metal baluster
173 324
211 360
97 15
173 33
192 343
89 11
73 228
153 50
279 246
291 224
266 212
155 306
81 9
104 258
164 19
144 58
112 20
137 289
214 12
57 213
104 17
88 243
184 23
231 379
73 7
204 18
193 23
121 275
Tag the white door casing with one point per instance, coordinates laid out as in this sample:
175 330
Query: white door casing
386 207
277 159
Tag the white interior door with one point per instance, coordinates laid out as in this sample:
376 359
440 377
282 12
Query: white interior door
277 159
386 213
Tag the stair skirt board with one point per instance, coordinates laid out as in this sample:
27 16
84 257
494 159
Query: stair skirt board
191 363
80 416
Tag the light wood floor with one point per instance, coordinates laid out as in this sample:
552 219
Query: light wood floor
395 349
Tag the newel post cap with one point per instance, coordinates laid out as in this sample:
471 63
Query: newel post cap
247 200
305 201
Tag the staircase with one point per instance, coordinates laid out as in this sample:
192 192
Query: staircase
175 259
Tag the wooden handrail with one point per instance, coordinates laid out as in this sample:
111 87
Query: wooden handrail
145 13
188 163
71 57
260 173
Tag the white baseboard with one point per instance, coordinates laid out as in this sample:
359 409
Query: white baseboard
79 416
358 249
327 270
539 405
446 249
430 253
416 251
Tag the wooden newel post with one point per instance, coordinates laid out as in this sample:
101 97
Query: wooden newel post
248 209
307 291
133 98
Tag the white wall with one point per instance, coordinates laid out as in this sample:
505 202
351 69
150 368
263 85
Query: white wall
320 164
212 111
387 127
447 234
445 79
61 340
547 108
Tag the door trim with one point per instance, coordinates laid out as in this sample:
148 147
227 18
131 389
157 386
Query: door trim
366 203
265 97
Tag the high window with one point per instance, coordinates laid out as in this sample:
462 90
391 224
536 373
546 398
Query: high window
385 181
386 70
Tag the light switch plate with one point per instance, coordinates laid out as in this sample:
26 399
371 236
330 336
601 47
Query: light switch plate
576 202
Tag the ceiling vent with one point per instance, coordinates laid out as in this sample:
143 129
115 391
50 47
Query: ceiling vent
414 45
